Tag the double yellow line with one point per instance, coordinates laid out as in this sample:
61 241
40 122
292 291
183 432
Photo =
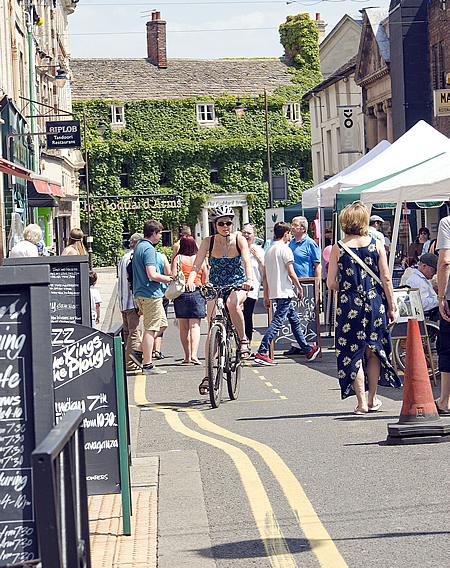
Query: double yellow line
273 540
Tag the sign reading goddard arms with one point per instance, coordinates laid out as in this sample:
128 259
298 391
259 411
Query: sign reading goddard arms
63 134
128 203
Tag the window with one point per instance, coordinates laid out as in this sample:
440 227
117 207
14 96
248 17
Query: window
292 112
205 114
117 117
124 176
443 80
214 172
434 59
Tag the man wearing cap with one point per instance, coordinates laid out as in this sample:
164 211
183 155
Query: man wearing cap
375 224
420 279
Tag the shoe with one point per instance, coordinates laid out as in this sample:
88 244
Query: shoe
315 350
440 411
203 387
264 359
136 357
377 406
157 355
359 412
293 351
244 351
150 369
252 356
195 362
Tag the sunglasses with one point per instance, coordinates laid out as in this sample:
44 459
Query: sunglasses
250 224
222 223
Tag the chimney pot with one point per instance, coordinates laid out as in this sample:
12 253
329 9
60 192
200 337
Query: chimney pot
317 16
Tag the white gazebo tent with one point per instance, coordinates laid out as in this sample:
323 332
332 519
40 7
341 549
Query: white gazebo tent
428 181
322 195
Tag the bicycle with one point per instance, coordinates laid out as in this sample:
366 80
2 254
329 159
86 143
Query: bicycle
399 349
223 349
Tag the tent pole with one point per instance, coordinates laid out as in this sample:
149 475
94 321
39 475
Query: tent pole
398 212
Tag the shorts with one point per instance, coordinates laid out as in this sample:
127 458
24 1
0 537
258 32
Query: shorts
190 305
443 346
154 314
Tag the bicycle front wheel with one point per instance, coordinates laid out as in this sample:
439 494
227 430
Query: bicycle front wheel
234 368
216 360
399 349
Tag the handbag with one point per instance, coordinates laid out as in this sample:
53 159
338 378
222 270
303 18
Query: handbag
177 286
362 263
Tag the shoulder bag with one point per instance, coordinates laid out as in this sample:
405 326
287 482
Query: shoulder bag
362 263
178 284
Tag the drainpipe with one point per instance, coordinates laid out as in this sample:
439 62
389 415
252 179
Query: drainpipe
14 52
32 87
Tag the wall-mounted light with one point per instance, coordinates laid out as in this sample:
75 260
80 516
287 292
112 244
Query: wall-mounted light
239 108
61 76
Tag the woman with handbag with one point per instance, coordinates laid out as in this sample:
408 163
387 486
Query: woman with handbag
189 306
365 311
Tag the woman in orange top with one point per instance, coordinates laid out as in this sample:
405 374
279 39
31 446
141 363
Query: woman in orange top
190 306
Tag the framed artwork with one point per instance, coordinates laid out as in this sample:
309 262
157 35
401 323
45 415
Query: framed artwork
408 305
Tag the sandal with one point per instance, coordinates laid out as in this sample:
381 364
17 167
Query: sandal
157 355
203 387
244 352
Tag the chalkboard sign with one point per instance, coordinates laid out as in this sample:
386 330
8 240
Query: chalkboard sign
69 286
308 314
25 402
84 378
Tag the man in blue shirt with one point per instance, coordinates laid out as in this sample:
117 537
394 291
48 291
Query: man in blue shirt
305 250
149 294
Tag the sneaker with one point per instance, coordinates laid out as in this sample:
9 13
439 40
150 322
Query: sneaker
150 369
136 357
264 359
313 353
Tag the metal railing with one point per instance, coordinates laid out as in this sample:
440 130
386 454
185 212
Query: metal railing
61 510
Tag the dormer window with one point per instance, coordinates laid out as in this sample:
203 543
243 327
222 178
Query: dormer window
117 117
292 113
206 115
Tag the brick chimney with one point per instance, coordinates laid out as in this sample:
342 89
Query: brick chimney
321 25
156 41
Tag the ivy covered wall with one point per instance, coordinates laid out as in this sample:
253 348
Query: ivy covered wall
163 149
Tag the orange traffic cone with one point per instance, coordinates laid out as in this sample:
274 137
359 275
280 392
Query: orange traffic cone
419 422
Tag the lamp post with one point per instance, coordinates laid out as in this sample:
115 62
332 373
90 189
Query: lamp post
239 110
101 129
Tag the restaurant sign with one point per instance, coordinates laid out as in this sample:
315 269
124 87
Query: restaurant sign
125 203
63 134
442 102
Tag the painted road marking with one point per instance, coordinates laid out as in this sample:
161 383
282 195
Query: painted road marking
269 384
320 541
273 539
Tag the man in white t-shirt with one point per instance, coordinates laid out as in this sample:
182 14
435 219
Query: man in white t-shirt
279 275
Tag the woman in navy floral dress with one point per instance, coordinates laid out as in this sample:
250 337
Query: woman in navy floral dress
365 312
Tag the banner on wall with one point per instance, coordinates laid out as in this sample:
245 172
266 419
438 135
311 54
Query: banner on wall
349 130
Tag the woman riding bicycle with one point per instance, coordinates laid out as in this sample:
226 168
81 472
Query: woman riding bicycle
229 263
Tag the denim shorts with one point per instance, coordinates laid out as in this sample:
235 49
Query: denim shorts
190 305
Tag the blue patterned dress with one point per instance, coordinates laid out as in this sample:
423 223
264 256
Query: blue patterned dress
361 320
226 271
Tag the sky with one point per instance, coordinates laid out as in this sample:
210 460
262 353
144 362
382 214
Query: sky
198 29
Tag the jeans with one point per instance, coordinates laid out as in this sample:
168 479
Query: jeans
284 308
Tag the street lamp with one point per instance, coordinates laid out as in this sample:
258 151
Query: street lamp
239 110
61 76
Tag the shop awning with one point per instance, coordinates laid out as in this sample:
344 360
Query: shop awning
46 186
14 169
39 194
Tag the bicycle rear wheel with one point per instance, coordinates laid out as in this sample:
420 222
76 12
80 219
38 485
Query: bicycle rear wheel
234 367
216 360
399 349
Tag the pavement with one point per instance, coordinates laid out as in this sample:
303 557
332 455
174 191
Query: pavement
109 547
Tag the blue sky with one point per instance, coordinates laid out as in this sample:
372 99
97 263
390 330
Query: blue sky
196 29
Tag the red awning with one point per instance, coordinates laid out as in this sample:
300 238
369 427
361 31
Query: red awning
14 169
42 186
57 190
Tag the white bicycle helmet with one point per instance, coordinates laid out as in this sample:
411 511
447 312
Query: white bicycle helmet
222 211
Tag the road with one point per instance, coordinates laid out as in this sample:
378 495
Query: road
286 475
